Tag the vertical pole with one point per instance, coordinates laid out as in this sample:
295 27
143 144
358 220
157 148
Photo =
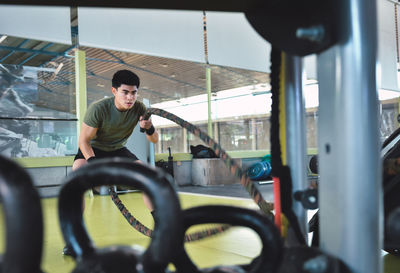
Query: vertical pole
254 134
208 83
185 142
159 144
398 105
351 208
296 135
150 145
282 112
81 91
161 140
80 85
216 128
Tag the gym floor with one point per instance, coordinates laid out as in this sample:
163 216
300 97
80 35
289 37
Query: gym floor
108 227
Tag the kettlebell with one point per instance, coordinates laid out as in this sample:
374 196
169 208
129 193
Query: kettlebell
304 259
392 232
271 254
23 220
122 259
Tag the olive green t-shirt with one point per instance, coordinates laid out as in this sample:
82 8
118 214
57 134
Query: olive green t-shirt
113 126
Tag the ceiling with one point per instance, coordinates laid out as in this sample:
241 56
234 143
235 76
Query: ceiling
162 79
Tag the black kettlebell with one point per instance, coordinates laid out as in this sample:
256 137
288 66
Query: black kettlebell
23 220
304 259
392 232
122 259
271 254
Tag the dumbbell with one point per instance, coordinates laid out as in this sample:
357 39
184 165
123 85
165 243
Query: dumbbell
122 259
271 254
23 220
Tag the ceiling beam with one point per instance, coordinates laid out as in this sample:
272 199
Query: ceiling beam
34 51
63 54
35 54
12 52
151 72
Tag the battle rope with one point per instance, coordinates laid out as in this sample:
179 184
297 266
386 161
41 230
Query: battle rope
396 26
229 162
234 168
205 37
136 224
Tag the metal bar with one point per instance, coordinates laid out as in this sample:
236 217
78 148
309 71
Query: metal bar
59 83
296 136
396 2
282 110
268 182
114 56
12 52
81 90
350 187
65 80
45 88
27 50
34 55
92 74
65 55
149 152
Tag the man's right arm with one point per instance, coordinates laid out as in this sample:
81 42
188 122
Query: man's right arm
87 133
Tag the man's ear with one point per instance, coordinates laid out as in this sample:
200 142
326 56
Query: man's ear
114 90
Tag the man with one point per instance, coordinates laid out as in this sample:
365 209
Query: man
109 122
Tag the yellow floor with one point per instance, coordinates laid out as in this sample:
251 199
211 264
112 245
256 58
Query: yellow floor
108 227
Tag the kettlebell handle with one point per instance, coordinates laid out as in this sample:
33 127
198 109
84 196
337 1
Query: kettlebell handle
23 219
272 245
122 172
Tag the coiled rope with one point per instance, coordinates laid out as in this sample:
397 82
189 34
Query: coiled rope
234 168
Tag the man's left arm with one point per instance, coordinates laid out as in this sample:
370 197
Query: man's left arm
150 130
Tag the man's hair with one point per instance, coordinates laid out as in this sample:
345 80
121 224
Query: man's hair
125 77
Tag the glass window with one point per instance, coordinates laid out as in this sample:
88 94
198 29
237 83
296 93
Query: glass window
311 128
171 138
235 135
262 129
388 118
37 108
193 140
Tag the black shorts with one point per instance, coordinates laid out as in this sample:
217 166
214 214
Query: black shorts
123 152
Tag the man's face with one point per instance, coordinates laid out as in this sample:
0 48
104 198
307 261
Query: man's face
125 96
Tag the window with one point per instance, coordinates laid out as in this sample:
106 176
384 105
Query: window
37 108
